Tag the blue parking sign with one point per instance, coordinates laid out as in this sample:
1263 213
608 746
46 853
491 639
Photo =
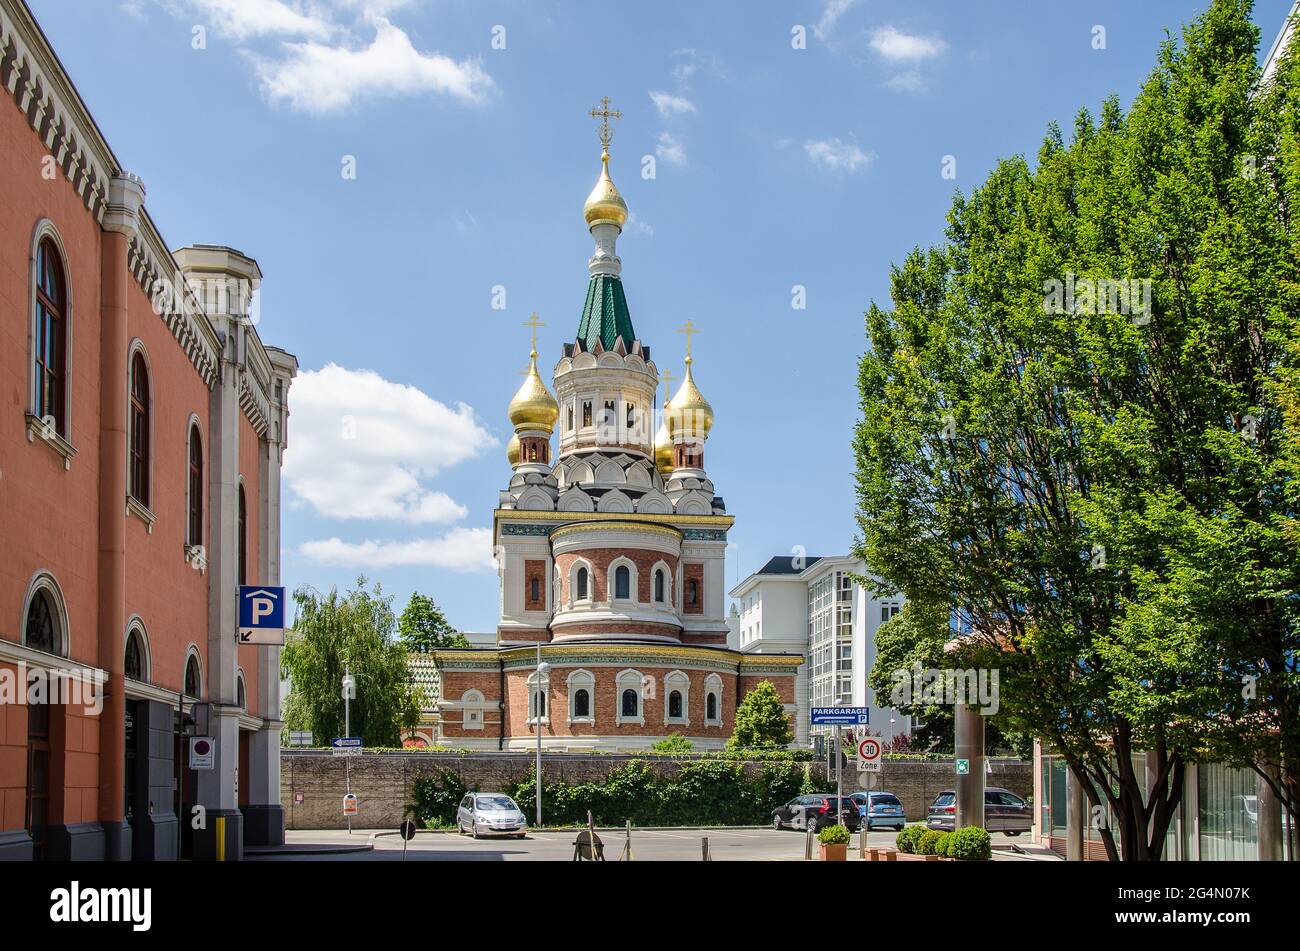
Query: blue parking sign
261 614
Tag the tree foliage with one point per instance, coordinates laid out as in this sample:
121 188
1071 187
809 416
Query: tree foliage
761 720
1097 487
353 632
423 628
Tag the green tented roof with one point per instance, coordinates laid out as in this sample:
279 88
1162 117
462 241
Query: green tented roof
605 316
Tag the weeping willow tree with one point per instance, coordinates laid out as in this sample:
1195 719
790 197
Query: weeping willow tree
1078 440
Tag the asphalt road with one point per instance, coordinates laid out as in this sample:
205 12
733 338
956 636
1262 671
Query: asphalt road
653 845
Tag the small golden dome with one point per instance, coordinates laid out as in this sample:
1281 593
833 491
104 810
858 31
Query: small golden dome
604 202
663 453
689 413
533 406
513 452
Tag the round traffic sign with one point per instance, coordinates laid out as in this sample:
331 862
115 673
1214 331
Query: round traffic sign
202 747
407 830
870 750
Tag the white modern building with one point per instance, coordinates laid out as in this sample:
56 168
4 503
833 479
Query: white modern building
812 606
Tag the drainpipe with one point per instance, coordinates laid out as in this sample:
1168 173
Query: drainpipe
501 693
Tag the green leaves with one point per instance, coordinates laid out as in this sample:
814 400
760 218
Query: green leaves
761 720
423 628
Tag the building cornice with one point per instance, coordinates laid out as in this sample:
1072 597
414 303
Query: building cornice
548 520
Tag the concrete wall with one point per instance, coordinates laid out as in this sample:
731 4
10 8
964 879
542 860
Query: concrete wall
383 781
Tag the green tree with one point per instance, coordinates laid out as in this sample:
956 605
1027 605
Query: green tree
423 628
673 743
1072 450
761 720
354 632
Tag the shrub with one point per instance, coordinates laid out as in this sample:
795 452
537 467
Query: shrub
970 844
436 797
833 835
673 743
925 845
943 843
906 839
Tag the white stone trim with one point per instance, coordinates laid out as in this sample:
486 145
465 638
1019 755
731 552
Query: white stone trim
633 589
136 623
629 679
713 686
604 743
676 680
582 679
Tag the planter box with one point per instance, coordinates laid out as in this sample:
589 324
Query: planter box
835 853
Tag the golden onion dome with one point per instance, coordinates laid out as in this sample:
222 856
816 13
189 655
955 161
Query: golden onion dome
513 452
689 413
663 452
533 406
605 203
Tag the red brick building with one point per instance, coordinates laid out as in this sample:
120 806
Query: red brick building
611 557
142 424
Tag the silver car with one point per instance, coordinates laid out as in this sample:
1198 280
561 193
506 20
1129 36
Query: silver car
483 814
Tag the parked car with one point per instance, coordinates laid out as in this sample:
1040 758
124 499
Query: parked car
1004 811
490 814
816 812
883 810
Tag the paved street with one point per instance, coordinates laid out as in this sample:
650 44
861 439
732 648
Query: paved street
726 845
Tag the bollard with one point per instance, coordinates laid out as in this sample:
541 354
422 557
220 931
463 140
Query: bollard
807 842
627 844
704 844
862 840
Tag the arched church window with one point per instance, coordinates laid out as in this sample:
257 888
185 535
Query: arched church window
711 707
693 592
193 682
133 665
139 442
659 585
622 583
42 624
582 584
582 703
51 334
586 413
630 703
675 705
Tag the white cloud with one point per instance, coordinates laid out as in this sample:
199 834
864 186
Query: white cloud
836 156
895 45
670 150
907 81
461 549
242 19
318 78
831 14
636 225
670 105
361 447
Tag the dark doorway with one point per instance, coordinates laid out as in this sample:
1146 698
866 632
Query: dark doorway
38 778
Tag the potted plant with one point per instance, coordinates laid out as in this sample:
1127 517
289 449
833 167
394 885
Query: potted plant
834 843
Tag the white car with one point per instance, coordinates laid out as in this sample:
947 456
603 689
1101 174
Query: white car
482 814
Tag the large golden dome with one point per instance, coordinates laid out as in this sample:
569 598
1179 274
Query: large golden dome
533 406
605 203
663 452
689 413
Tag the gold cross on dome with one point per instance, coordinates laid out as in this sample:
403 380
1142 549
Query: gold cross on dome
667 376
534 323
604 115
689 329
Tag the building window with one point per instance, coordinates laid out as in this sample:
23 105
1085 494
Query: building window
582 584
195 536
586 413
139 470
581 704
630 690
134 664
631 415
241 696
534 589
569 427
693 593
631 703
677 689
42 632
889 611
711 707
243 538
50 351
193 680
659 586
622 583
675 705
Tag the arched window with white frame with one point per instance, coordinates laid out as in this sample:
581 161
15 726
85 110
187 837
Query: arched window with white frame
51 329
45 617
631 687
713 700
677 693
135 663
538 700
623 579
472 703
582 693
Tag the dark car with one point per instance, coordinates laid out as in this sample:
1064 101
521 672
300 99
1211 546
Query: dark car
1004 811
816 812
883 809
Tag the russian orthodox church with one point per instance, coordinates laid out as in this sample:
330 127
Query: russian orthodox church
610 550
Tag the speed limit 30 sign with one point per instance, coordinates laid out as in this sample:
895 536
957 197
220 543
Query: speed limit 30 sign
869 753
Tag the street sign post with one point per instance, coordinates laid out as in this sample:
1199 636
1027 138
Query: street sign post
203 752
261 614
346 746
870 752
841 716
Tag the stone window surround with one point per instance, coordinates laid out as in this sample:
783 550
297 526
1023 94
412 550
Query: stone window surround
630 679
680 682
713 687
582 679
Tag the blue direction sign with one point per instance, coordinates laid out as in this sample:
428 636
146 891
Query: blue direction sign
346 745
261 614
841 716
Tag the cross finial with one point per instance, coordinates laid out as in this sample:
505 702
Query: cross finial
604 115
534 323
667 376
689 329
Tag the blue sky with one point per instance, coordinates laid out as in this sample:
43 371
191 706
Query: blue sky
774 167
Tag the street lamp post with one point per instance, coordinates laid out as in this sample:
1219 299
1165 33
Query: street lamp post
543 673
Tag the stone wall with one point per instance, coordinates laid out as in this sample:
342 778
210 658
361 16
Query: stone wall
383 782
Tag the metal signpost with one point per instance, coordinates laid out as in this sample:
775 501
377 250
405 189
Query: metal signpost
839 717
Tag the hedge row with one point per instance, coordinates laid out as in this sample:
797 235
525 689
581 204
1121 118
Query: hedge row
970 843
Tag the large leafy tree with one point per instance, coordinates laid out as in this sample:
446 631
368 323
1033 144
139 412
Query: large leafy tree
1091 485
423 627
354 633
761 720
